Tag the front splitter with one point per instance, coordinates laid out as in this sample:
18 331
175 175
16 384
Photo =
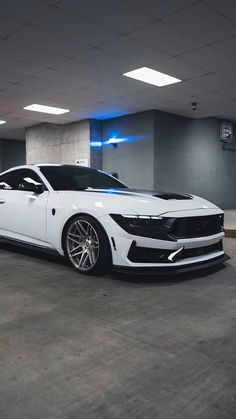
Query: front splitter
171 270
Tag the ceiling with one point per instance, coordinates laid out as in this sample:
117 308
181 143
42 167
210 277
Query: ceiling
72 54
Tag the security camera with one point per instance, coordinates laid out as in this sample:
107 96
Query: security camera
194 106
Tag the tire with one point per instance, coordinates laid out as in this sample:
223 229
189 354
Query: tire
86 245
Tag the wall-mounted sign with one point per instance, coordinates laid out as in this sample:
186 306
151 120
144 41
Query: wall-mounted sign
82 162
226 132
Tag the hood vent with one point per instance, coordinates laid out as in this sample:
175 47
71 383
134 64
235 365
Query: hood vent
169 196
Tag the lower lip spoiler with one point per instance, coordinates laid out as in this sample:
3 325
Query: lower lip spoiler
172 270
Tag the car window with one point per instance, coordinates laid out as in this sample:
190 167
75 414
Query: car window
69 178
19 179
3 184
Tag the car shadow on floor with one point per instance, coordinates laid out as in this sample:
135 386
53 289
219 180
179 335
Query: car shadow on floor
161 280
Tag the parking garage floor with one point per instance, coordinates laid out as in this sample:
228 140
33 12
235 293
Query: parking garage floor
79 347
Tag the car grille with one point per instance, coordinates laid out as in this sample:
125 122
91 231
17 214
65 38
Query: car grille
149 255
191 227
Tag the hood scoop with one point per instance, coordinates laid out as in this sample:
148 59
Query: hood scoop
169 196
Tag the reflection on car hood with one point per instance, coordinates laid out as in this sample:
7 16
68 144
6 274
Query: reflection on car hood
143 192
146 201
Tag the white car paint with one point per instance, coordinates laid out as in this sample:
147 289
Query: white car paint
28 217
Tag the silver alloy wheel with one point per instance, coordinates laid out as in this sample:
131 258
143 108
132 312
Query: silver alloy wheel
82 244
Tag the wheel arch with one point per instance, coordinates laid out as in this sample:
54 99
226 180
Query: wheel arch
74 216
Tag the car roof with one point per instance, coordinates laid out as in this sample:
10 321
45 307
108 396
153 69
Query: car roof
38 165
28 166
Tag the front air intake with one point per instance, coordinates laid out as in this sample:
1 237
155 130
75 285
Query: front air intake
139 254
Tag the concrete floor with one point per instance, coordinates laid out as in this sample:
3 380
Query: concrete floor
75 347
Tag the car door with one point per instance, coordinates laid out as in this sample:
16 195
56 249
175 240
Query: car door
23 212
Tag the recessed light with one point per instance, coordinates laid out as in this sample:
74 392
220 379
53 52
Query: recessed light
147 75
46 109
2 122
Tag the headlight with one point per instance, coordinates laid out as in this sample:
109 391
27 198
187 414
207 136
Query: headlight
152 226
137 220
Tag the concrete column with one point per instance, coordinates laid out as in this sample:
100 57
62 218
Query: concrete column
52 143
43 144
75 142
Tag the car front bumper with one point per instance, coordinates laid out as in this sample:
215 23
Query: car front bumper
122 242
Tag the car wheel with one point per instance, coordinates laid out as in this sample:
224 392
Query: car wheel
86 246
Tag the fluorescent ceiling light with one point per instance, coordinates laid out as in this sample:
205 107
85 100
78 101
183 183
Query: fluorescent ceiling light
2 122
147 75
46 109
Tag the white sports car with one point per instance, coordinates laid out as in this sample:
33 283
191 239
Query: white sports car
98 223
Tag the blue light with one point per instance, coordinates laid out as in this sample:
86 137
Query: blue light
96 143
114 140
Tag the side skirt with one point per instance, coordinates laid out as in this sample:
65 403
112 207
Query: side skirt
25 245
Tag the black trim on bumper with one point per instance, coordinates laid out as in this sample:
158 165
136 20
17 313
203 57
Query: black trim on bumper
139 254
174 270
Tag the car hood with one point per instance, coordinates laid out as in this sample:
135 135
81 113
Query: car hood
143 202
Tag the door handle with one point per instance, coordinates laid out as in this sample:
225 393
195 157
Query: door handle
2 202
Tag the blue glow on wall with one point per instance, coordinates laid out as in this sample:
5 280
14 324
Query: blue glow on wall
114 140
96 144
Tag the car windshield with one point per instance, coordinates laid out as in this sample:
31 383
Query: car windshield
68 178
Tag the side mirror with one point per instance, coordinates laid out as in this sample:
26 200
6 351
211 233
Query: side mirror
39 189
31 187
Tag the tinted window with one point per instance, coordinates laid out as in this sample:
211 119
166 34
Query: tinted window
19 179
3 184
70 178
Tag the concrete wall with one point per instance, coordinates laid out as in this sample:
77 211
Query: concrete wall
12 153
172 153
132 159
51 143
189 157
161 151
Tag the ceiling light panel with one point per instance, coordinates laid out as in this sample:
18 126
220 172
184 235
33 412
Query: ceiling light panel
46 109
150 76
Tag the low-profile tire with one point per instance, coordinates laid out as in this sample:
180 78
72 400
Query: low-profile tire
86 245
